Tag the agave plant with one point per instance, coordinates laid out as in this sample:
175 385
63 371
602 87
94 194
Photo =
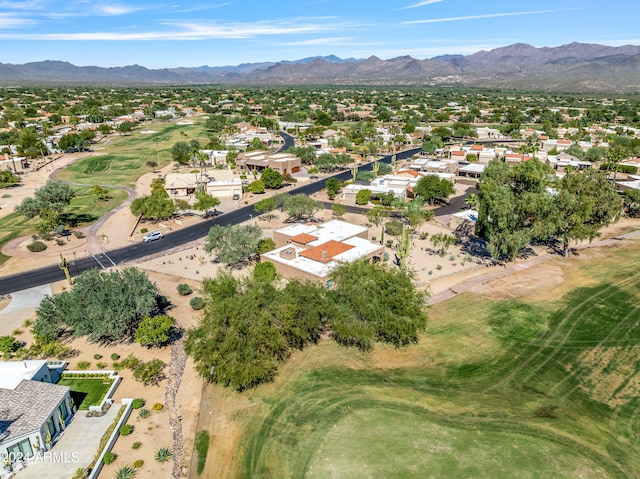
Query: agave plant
163 455
126 472
144 413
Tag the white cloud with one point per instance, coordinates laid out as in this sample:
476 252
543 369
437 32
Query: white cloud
116 9
322 41
10 20
420 4
489 15
193 31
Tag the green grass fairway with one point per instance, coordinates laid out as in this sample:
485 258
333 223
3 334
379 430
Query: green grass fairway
86 391
123 160
494 389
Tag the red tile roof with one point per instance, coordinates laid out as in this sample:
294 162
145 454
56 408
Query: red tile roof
326 251
303 238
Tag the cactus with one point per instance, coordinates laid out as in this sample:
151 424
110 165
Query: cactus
394 163
64 266
405 245
354 170
376 168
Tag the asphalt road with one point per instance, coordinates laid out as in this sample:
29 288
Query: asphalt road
21 281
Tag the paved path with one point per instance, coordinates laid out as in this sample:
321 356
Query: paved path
22 307
76 447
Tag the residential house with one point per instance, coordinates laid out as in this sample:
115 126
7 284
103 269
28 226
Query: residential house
312 251
33 411
285 163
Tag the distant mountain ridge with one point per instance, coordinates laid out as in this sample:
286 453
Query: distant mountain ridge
572 67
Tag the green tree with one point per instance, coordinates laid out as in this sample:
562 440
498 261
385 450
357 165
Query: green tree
265 206
363 197
472 200
101 192
257 187
374 302
271 178
155 206
152 164
102 306
264 272
149 373
205 202
266 244
155 330
300 207
7 179
430 188
235 244
181 152
338 210
442 242
585 204
333 187
49 203
125 127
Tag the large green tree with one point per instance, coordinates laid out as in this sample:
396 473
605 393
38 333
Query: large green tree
271 178
48 203
102 306
205 202
430 188
155 206
233 244
300 207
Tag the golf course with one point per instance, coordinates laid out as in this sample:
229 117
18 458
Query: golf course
541 385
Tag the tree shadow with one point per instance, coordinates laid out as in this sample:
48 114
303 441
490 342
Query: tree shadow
73 219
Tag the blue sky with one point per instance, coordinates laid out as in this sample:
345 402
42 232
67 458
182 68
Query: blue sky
166 33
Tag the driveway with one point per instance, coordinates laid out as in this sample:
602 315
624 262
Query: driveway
76 447
23 306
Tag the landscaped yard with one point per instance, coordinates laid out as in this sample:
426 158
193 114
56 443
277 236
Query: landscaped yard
540 386
86 391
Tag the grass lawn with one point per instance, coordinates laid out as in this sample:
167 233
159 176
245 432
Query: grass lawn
123 160
495 389
86 391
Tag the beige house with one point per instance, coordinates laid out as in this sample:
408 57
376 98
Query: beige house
284 163
218 183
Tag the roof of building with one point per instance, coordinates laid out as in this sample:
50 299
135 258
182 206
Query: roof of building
331 230
473 168
27 407
326 251
13 372
180 180
303 238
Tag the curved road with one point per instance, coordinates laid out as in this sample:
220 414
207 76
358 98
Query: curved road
21 281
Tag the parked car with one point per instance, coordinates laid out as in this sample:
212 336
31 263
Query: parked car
154 235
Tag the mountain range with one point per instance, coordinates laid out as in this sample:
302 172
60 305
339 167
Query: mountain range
572 67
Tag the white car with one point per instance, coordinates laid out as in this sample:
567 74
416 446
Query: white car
154 235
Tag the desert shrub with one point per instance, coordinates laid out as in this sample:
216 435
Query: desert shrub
8 344
184 289
108 458
163 454
83 365
157 406
97 356
101 365
126 472
137 403
150 372
144 230
36 246
144 413
115 357
78 234
136 445
138 464
125 429
196 303
81 473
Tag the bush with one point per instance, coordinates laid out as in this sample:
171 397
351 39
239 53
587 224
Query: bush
83 365
144 230
150 372
202 448
36 246
78 234
363 197
266 244
97 356
137 403
8 344
101 365
196 303
115 357
163 454
126 472
108 458
136 445
264 272
125 429
144 413
81 473
184 289
138 464
157 406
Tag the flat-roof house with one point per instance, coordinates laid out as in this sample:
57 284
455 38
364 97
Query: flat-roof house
33 411
181 185
310 251
285 163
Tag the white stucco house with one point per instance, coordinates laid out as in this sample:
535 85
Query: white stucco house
33 411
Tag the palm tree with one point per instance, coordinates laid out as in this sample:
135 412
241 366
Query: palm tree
472 200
